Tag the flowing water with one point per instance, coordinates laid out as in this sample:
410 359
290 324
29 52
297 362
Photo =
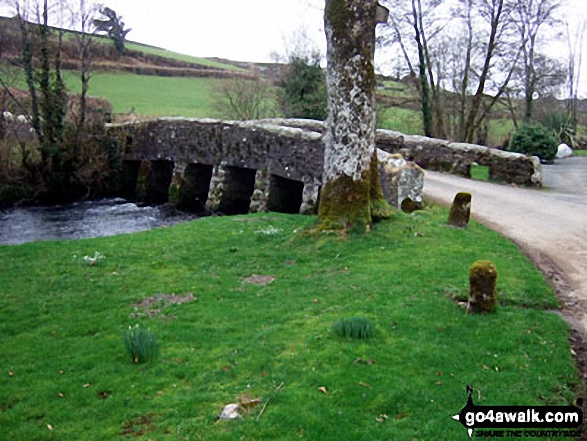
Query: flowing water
86 219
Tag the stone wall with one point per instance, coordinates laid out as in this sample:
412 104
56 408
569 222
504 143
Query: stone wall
441 155
457 158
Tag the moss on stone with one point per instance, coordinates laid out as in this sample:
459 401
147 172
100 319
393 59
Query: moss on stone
380 208
483 287
345 204
339 15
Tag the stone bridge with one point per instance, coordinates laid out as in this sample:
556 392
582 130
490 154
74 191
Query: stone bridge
235 167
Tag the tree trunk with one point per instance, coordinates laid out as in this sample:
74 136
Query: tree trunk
471 120
423 76
351 195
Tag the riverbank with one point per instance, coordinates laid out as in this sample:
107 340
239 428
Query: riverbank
264 293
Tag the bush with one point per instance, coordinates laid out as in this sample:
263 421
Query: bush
355 327
303 93
561 126
141 344
534 140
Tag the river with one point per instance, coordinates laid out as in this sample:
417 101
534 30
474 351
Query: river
106 217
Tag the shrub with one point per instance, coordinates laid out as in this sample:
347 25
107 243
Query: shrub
355 327
561 126
534 140
141 344
303 93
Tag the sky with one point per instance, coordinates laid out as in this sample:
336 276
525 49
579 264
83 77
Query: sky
241 30
245 30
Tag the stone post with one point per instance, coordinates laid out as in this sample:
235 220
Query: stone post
483 287
460 210
351 195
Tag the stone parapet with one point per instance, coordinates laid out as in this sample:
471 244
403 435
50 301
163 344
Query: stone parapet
457 158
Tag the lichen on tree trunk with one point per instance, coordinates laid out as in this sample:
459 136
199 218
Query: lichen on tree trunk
351 195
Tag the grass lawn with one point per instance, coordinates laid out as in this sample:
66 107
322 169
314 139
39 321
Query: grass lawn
65 374
480 172
580 152
152 95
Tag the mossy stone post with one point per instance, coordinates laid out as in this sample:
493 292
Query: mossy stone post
351 195
483 287
460 210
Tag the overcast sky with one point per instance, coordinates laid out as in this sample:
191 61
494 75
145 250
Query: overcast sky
243 30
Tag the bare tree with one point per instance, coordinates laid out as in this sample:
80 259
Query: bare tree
114 28
533 16
244 98
496 13
461 60
575 41
413 26
84 14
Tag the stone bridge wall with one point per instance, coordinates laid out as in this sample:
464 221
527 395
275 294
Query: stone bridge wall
277 164
445 156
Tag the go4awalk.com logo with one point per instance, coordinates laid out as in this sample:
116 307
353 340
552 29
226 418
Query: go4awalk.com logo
519 421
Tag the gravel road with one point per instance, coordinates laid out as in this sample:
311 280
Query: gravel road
549 225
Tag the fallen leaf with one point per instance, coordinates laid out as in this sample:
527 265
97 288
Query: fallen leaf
60 395
60 372
323 390
315 301
439 373
361 383
10 374
381 418
485 367
49 426
87 385
438 383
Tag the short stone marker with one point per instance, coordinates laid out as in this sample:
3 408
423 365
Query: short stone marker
460 211
483 287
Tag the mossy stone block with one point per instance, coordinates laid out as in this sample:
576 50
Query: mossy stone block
483 287
460 211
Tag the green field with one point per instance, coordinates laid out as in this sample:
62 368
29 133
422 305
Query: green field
401 120
267 290
181 57
151 95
